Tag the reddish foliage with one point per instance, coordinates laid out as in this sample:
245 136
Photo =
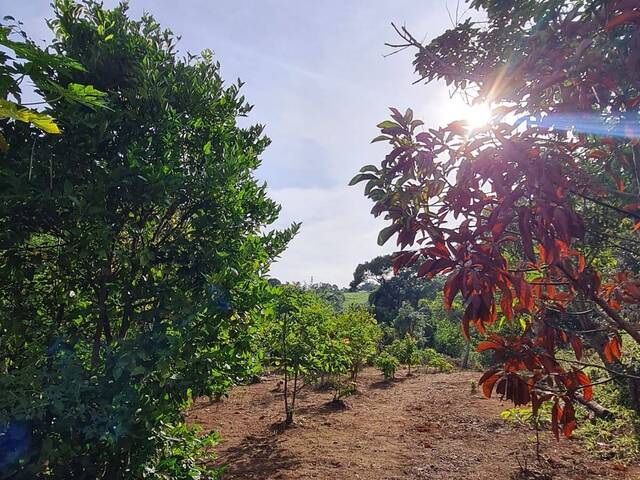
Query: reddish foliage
463 197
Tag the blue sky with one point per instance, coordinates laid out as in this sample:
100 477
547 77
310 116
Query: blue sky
318 78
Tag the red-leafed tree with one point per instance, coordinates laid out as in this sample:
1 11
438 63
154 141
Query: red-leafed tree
518 213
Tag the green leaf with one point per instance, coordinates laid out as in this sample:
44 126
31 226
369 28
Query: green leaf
361 177
386 233
388 124
44 122
381 138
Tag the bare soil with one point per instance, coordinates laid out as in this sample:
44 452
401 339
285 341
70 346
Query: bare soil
425 426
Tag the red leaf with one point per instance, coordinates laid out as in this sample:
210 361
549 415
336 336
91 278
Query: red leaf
433 267
451 289
488 380
486 345
612 350
584 380
459 127
568 418
615 347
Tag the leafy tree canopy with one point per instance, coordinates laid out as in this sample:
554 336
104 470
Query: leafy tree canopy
544 197
393 290
132 249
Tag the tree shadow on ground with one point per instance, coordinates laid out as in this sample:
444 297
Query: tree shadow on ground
384 384
204 404
257 457
332 406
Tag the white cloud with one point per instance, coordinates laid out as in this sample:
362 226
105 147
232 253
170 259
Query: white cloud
337 233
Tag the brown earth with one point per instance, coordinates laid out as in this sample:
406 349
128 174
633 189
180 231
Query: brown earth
427 426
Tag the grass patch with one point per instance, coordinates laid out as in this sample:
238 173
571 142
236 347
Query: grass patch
355 298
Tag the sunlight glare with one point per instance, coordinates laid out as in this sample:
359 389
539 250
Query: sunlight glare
476 116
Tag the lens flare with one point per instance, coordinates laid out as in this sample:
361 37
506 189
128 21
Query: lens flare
625 126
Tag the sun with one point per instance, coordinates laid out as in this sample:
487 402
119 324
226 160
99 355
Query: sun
476 116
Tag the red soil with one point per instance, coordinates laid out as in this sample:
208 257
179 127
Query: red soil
427 426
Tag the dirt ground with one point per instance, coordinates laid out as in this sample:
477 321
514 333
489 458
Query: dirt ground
427 426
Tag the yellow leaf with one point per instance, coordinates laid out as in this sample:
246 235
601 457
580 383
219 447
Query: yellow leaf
44 122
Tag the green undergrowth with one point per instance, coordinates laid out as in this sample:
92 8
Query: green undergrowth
616 438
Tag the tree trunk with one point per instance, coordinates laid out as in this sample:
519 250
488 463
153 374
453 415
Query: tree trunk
464 364
633 384
292 406
95 354
287 411
597 409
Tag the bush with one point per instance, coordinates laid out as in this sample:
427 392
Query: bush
184 454
387 364
406 351
430 358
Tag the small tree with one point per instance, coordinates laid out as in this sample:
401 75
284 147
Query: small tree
334 360
387 364
362 333
296 339
406 351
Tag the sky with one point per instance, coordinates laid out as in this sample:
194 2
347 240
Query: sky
319 80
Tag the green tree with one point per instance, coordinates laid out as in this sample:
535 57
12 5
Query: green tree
414 321
362 334
298 342
132 254
387 364
330 293
447 336
334 358
406 351
393 289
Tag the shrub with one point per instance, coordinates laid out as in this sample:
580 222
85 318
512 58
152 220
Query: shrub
430 358
406 351
387 364
361 333
184 454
